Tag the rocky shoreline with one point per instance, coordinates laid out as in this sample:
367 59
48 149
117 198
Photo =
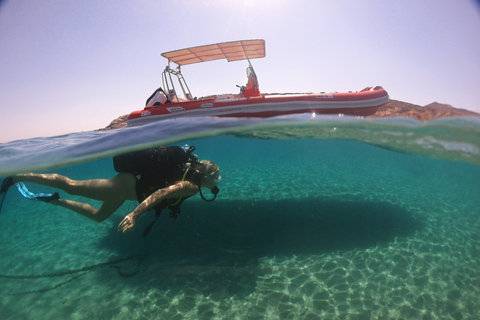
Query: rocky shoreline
393 108
435 110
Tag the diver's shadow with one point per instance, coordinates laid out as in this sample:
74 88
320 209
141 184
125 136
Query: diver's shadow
218 244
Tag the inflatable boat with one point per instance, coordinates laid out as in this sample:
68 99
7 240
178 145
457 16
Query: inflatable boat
174 99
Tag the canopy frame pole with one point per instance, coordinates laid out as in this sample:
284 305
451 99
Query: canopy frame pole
164 80
183 83
167 82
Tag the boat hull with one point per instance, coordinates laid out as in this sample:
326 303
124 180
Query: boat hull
362 103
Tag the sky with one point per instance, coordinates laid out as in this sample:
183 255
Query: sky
70 66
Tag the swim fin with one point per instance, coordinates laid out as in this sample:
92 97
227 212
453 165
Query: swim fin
45 197
6 184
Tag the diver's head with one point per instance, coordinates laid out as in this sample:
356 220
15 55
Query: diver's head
211 174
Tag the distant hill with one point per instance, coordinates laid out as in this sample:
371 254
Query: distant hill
393 108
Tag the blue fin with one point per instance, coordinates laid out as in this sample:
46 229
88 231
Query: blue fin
46 197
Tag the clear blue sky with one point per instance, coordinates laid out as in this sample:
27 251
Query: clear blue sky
69 66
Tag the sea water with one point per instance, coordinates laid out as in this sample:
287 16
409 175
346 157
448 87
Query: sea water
317 217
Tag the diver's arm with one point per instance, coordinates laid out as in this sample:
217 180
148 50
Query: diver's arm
180 189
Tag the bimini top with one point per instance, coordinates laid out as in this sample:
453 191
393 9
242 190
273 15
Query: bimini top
232 51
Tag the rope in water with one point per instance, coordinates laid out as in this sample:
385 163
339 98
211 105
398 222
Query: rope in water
82 271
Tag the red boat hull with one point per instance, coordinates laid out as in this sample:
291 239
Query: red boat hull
362 103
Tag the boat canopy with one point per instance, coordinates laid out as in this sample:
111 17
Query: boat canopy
232 51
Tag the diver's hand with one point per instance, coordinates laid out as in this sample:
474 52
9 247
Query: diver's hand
128 223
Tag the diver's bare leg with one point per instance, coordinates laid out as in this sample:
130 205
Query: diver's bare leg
121 186
105 211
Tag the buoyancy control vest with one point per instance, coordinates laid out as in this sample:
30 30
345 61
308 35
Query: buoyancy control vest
159 165
158 168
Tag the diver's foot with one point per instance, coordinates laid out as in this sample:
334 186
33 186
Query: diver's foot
53 196
7 183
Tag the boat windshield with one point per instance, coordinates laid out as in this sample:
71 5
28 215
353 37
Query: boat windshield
251 72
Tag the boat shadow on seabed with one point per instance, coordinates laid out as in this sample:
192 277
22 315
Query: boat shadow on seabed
223 243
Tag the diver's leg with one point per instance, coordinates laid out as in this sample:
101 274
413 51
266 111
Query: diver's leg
122 186
105 211
6 184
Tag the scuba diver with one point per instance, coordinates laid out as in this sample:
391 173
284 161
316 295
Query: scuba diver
159 178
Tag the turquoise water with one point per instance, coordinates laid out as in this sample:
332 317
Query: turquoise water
334 218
